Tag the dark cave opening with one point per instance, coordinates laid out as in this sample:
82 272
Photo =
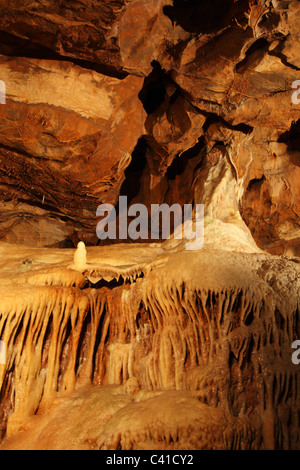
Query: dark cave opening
180 162
255 183
292 139
153 92
201 16
253 55
133 173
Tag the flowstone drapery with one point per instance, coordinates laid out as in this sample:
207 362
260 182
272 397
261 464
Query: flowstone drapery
207 332
122 344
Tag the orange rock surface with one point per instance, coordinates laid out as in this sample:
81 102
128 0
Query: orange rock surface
162 101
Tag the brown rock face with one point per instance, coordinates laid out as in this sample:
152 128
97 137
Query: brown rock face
79 30
165 102
63 145
217 74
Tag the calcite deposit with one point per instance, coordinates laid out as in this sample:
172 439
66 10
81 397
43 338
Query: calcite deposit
134 345
216 326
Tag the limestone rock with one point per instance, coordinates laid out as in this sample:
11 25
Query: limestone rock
162 101
215 326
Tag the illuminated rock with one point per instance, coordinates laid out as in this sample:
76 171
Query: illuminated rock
148 345
214 325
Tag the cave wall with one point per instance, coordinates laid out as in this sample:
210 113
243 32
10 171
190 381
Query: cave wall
162 101
102 97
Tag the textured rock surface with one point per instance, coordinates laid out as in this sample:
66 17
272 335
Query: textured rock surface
65 143
209 76
215 326
164 101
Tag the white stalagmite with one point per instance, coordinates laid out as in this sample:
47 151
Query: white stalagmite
80 257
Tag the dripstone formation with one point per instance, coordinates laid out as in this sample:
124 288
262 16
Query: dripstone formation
143 344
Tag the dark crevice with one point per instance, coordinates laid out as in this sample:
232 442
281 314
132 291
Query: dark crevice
132 184
65 353
84 333
13 46
142 316
292 140
205 17
113 284
250 317
269 21
98 342
218 144
212 300
153 92
277 52
102 283
158 86
280 320
284 60
242 127
180 162
238 302
213 118
175 96
255 183
292 137
254 55
133 173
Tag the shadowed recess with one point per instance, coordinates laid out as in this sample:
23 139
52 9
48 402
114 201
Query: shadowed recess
201 16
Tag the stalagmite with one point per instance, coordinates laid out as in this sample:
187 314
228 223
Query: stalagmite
80 257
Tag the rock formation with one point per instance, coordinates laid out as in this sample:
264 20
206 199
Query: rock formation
147 345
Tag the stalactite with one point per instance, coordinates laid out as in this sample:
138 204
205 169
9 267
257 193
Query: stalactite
224 339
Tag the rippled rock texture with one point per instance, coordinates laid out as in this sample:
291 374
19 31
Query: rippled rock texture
170 350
